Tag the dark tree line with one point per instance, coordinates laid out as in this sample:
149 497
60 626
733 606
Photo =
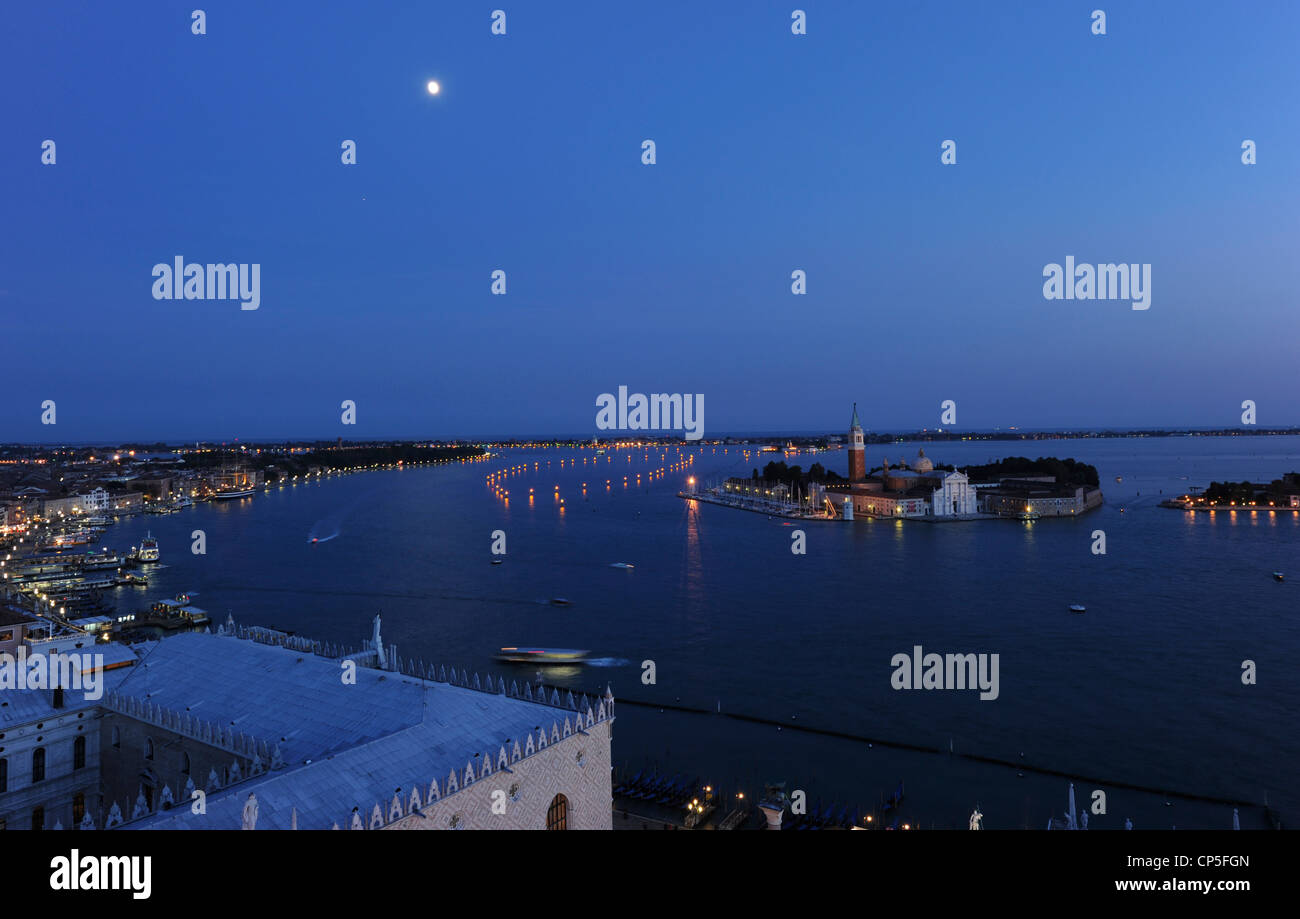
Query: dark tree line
1278 490
778 472
1067 471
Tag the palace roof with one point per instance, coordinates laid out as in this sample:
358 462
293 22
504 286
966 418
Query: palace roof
332 746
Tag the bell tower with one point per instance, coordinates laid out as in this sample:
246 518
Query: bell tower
857 451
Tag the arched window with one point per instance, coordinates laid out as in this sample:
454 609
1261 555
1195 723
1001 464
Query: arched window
148 748
38 818
78 809
185 764
79 753
38 765
117 738
557 815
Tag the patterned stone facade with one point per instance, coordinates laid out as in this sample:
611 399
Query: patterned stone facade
519 798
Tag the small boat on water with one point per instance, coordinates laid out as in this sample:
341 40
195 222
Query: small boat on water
1278 576
1119 478
497 561
621 565
542 655
560 601
1077 608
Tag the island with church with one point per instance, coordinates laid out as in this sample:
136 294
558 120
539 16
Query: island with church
918 489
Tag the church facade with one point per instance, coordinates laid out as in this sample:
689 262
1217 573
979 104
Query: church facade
914 489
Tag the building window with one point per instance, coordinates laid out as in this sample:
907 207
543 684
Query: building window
557 815
148 748
58 697
38 765
79 753
185 764
78 809
38 818
4 775
117 738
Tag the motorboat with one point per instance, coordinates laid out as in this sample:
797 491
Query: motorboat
1077 608
542 655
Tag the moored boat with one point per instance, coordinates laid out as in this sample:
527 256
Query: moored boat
101 561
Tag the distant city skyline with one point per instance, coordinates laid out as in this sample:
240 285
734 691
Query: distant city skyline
775 153
541 437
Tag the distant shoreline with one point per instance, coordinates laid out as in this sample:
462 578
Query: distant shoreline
630 438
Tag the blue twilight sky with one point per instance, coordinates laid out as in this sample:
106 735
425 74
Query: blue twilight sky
775 152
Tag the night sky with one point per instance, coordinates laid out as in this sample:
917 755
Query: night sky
775 152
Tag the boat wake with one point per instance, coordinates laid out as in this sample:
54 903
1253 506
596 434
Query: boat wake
330 527
607 662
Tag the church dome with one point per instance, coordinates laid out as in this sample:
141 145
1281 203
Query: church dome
921 463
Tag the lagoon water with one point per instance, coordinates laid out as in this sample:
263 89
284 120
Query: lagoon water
1144 688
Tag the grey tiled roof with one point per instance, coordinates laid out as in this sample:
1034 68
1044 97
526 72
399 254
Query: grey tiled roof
343 746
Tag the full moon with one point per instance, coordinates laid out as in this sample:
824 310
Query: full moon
434 88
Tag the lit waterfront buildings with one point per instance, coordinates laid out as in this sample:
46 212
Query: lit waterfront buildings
918 489
915 490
